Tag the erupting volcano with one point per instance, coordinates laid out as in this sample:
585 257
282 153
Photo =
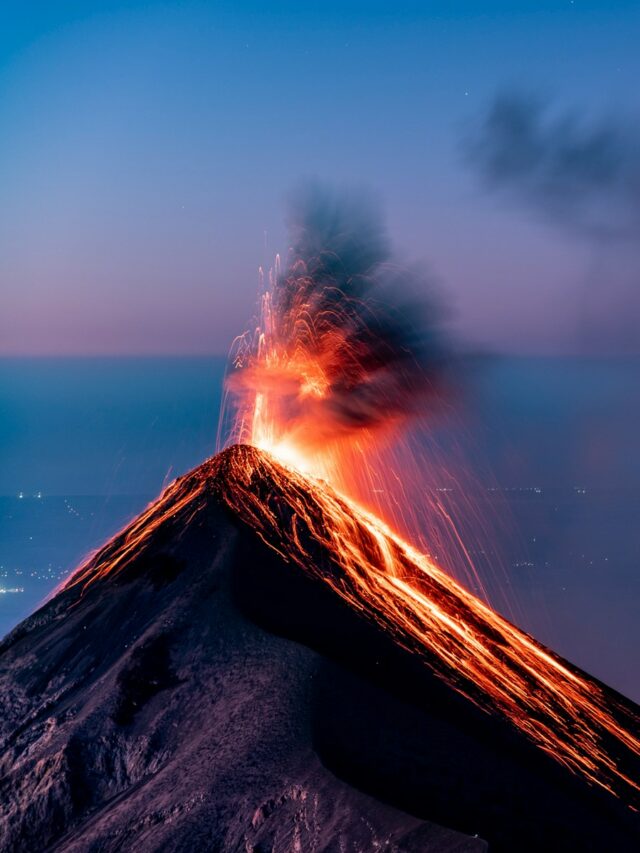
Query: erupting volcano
345 349
139 707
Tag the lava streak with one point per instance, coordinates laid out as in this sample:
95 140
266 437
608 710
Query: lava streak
586 727
324 383
483 656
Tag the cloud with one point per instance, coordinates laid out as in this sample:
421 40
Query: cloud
581 175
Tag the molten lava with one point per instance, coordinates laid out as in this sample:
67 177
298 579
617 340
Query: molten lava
572 717
345 350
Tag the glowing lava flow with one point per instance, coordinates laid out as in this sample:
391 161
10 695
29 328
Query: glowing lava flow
588 728
475 650
326 385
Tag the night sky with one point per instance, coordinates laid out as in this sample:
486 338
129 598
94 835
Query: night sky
147 151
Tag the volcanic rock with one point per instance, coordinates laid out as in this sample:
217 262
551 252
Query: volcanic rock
189 689
146 712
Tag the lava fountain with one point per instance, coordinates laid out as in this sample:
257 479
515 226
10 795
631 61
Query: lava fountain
329 382
344 372
337 361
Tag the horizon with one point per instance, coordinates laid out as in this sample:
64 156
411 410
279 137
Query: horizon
122 425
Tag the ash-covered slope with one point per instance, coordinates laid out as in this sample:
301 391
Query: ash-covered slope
162 700
143 711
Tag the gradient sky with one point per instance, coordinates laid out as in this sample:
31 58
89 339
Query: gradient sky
147 150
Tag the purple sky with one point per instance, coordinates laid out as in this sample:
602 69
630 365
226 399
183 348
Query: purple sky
147 151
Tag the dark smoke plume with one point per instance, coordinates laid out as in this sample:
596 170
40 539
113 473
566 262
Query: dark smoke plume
584 176
373 324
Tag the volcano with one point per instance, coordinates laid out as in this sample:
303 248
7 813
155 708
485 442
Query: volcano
256 664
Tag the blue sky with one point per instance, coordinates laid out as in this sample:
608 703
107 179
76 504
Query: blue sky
147 151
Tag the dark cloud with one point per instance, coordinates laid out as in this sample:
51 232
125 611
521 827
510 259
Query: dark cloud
581 175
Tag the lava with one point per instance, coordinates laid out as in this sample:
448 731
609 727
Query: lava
328 383
586 727
480 654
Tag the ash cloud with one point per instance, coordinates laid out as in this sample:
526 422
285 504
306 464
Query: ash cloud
348 340
582 175
377 324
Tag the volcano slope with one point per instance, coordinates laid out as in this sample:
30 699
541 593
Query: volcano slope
194 688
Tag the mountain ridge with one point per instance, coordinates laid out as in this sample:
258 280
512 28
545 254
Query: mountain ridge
144 710
191 688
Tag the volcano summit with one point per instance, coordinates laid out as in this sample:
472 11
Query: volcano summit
256 663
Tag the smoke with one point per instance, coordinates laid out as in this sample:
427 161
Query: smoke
349 340
581 177
376 324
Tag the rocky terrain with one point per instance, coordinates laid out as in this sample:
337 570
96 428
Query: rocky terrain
192 693
148 713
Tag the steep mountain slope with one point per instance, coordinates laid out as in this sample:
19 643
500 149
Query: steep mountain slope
164 701
146 712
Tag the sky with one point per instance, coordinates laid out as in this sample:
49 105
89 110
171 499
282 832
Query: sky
148 149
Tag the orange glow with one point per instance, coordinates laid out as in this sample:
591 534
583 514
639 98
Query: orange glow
566 713
282 390
313 386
